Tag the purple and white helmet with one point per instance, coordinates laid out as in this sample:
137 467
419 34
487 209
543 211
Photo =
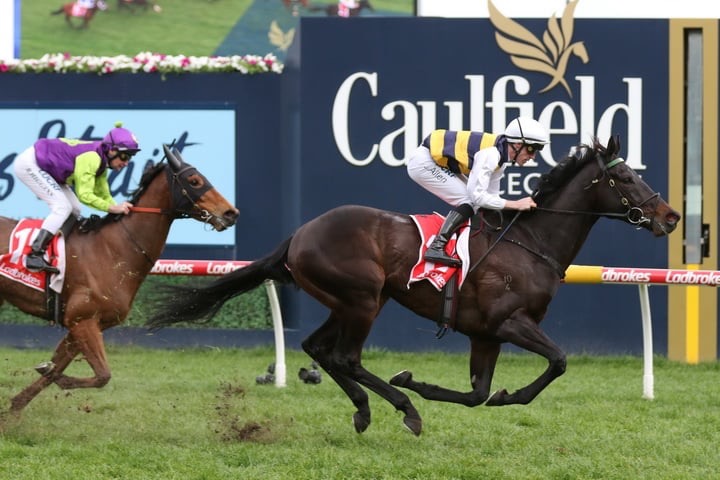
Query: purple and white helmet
121 139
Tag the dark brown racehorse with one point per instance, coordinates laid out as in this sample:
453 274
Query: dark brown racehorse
105 267
333 10
353 259
73 10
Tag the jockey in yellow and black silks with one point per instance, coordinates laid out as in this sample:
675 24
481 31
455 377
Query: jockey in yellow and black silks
455 150
464 168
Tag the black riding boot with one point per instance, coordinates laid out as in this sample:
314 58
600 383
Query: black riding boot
35 261
436 251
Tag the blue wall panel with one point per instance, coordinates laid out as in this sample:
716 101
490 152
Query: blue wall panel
292 162
253 157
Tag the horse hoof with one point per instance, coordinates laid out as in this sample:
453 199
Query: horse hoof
497 399
360 422
45 368
401 379
414 424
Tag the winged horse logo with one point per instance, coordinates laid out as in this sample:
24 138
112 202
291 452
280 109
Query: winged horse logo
526 51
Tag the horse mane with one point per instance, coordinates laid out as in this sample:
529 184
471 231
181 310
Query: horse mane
566 169
150 172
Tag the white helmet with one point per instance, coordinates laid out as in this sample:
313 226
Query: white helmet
527 130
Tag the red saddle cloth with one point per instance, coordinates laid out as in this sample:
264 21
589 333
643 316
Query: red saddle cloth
438 275
78 10
12 264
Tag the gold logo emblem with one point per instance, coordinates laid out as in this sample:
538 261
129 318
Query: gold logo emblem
280 39
551 56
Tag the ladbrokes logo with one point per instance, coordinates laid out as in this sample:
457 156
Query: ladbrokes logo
549 56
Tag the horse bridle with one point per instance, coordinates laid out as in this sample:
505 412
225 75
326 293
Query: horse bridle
181 196
633 215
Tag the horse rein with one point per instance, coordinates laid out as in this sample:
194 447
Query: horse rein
634 215
150 210
494 244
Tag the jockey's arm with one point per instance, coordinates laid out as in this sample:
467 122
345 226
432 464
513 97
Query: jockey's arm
91 190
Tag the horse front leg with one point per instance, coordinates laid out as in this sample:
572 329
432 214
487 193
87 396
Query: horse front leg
523 331
86 337
50 372
483 358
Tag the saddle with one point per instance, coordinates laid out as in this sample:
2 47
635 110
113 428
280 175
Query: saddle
13 268
448 280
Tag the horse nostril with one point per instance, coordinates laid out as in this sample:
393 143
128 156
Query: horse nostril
232 214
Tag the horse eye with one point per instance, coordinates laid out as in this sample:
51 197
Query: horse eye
195 181
625 180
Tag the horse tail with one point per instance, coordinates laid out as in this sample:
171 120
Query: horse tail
58 11
200 303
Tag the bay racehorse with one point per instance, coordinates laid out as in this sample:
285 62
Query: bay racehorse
353 259
105 267
76 10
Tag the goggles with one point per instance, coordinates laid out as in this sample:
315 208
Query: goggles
534 147
125 156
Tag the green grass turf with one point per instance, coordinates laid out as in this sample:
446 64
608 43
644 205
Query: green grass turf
198 414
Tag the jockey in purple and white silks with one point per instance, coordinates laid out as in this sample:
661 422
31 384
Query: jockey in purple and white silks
464 168
68 173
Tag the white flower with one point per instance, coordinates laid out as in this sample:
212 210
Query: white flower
143 62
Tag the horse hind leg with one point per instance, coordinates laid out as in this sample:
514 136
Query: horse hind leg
337 347
318 347
399 400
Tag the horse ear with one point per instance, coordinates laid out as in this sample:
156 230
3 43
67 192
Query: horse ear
175 162
611 148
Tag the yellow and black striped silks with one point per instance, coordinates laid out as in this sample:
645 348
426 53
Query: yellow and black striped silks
455 150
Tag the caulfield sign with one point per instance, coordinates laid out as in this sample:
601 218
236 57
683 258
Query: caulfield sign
571 103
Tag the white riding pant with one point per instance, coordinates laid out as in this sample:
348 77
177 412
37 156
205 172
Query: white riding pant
60 197
439 181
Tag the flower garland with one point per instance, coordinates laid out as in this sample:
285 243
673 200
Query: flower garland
144 62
